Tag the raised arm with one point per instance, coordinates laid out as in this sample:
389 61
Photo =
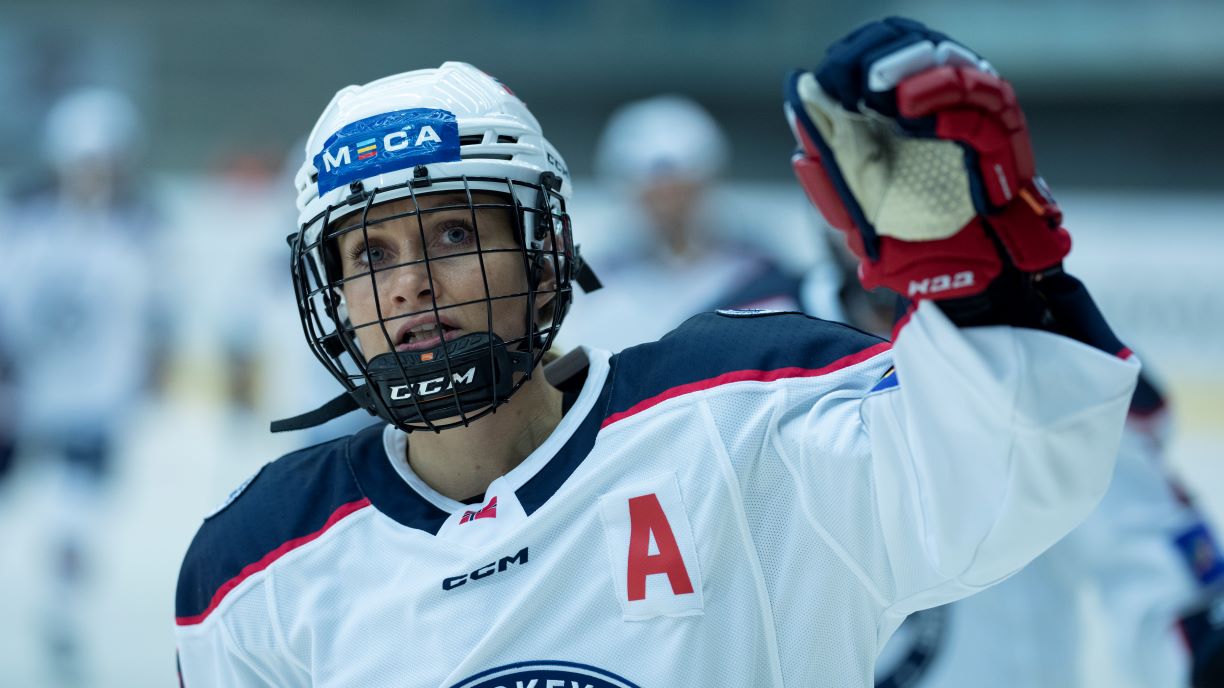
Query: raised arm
998 430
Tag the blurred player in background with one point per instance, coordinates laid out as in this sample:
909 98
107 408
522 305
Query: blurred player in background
756 499
672 234
76 319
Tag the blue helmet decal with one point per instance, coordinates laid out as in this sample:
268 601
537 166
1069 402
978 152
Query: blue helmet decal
385 143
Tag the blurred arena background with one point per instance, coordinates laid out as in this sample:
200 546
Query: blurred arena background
1125 99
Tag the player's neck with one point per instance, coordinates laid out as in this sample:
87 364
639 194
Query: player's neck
461 462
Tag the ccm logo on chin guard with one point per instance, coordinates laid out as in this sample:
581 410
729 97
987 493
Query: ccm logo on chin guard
940 283
432 386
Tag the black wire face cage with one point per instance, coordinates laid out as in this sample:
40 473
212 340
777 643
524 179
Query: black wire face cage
468 374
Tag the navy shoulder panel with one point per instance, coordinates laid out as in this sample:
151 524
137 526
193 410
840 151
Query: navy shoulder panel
730 346
287 503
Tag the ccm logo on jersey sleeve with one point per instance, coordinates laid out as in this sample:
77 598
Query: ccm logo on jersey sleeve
652 553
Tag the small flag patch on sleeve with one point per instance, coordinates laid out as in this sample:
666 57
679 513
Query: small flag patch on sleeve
887 382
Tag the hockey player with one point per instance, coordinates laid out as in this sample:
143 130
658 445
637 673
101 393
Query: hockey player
77 314
756 499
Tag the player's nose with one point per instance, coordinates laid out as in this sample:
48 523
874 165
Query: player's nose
410 286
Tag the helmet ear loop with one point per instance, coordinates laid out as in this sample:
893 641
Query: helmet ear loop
535 260
520 213
334 303
333 293
311 291
548 262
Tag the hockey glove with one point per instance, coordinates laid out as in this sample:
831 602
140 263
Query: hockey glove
911 145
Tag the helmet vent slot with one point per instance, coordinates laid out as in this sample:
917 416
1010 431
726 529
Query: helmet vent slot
485 156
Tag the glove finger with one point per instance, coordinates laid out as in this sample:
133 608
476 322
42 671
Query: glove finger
980 110
887 68
842 72
991 159
927 93
818 173
888 72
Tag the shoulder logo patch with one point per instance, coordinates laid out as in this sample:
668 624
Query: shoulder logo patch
888 381
235 493
748 312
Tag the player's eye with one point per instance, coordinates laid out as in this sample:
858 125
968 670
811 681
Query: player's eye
368 254
456 235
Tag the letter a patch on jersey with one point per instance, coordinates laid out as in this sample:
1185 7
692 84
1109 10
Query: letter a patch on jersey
652 551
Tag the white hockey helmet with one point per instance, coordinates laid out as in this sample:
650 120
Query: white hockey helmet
428 131
667 136
91 123
455 120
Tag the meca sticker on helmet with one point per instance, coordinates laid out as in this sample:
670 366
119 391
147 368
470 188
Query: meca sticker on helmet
385 143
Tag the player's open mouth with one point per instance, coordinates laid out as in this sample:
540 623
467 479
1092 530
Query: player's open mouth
425 335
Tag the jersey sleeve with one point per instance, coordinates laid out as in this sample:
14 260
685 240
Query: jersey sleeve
994 443
238 648
228 625
984 447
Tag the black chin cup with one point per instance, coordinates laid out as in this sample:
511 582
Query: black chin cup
453 380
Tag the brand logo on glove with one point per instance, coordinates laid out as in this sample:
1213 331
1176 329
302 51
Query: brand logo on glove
940 283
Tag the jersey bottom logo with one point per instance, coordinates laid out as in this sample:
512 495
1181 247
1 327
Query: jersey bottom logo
545 674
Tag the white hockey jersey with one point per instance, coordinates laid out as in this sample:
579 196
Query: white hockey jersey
1145 553
75 311
754 500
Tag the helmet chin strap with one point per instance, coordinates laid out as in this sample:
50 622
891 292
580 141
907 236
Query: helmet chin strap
454 379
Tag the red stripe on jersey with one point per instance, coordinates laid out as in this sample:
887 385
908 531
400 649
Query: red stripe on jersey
287 547
748 376
904 320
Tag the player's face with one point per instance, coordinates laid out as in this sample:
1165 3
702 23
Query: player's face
388 275
671 202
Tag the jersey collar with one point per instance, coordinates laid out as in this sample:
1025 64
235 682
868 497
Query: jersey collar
397 491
